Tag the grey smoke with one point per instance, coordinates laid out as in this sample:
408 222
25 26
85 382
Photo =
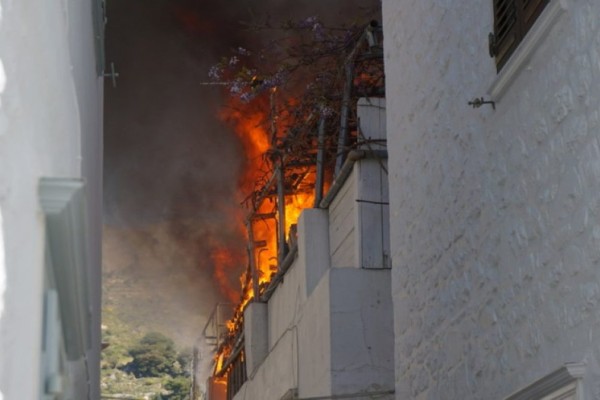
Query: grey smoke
171 167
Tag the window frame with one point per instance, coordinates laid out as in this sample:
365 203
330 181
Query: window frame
512 21
523 52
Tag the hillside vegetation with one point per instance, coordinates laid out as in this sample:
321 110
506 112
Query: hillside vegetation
138 365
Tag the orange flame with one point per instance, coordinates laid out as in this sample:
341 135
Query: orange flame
249 122
224 260
249 125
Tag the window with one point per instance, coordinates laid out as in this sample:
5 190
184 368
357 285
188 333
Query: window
512 21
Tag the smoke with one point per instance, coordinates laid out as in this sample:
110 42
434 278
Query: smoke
171 167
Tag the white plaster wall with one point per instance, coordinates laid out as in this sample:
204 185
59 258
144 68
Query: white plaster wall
50 125
495 216
338 341
314 342
276 375
361 331
299 343
342 221
286 303
2 275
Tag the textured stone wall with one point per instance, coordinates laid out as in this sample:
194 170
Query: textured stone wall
495 215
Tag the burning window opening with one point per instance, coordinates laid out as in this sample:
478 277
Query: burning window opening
294 163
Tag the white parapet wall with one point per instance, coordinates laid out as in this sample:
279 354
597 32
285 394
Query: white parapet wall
256 335
359 214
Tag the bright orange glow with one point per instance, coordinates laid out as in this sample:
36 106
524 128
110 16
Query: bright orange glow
294 206
224 261
253 127
249 126
219 362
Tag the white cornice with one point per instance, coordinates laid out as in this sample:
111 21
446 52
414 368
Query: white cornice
552 382
56 193
63 202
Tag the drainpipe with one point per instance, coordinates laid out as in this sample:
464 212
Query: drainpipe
252 259
281 248
345 170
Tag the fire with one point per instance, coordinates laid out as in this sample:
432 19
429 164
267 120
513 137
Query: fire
224 260
220 361
259 133
294 206
249 126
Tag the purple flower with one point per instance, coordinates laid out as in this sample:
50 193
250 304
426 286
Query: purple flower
233 61
318 31
274 80
308 22
215 72
246 97
237 86
327 111
243 52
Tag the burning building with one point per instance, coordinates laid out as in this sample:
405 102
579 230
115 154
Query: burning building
318 250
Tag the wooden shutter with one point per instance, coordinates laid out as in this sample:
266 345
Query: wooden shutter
531 9
504 38
512 21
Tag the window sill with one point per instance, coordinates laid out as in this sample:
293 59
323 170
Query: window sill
527 47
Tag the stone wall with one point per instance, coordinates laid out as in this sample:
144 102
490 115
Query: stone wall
495 214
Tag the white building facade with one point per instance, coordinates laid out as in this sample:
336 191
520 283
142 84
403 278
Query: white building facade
494 213
51 92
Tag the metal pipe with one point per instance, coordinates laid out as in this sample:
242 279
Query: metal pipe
252 259
320 161
208 322
346 100
281 244
262 195
345 112
353 156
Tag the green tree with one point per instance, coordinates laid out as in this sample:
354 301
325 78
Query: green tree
153 356
179 388
184 359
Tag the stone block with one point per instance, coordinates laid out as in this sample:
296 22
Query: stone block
313 245
256 335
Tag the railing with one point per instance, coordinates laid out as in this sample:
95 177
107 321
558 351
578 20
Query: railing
215 330
236 375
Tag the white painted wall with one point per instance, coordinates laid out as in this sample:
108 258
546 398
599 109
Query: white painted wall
495 216
342 233
50 126
2 276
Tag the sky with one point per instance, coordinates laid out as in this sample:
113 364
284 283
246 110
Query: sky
171 166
